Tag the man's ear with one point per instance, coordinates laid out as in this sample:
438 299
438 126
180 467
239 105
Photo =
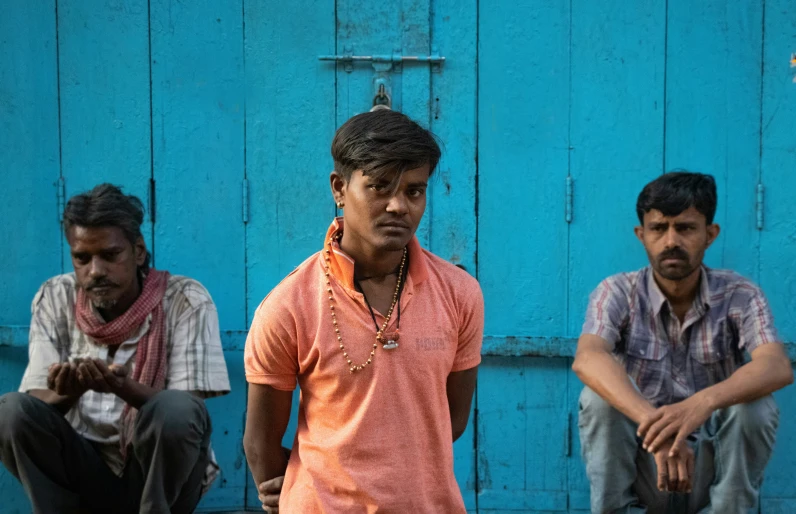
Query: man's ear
338 184
639 231
139 250
713 233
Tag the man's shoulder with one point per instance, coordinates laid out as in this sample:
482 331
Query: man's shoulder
726 283
624 283
292 291
58 289
452 276
191 290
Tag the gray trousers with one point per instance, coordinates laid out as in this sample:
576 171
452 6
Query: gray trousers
63 473
731 453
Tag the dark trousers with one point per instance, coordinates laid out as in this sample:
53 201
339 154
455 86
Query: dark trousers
63 473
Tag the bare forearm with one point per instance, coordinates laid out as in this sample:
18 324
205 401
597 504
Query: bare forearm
60 402
266 459
134 393
602 373
750 382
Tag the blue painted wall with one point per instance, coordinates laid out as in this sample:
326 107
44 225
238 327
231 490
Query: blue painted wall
191 104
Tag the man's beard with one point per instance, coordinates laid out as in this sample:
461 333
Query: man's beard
104 303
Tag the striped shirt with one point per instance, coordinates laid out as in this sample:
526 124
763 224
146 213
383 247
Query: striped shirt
195 358
670 361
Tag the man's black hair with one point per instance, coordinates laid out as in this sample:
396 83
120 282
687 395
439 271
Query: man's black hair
674 192
107 206
381 143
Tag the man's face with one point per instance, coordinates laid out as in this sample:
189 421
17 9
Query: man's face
676 245
378 217
106 264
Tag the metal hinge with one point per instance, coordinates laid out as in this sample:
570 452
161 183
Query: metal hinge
245 200
759 206
60 194
568 204
152 201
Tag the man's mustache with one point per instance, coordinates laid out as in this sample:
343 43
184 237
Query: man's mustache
102 282
673 253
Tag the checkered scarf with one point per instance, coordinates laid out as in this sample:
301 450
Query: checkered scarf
150 359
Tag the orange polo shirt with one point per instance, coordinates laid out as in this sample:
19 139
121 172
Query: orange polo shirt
378 440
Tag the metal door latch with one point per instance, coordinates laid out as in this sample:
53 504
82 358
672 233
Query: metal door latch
391 62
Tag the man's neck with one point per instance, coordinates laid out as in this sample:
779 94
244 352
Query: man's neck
368 261
680 293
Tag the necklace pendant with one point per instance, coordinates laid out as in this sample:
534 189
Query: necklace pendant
390 341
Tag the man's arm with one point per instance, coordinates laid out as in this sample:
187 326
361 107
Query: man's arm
602 373
460 387
267 415
768 371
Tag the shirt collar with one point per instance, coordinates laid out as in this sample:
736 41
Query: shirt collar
341 265
658 299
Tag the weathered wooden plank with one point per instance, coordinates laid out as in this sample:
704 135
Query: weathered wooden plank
523 97
29 155
452 210
198 114
12 365
778 166
226 413
290 106
105 102
713 99
616 137
519 399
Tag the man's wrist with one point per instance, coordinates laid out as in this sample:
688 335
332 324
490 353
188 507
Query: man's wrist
708 400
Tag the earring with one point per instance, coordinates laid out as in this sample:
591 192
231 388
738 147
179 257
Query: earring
339 205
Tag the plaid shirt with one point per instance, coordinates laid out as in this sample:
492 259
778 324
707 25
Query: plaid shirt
670 361
193 345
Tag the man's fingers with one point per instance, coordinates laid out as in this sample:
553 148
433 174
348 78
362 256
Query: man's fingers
653 432
690 468
62 378
269 500
674 476
647 423
683 474
271 486
271 510
679 445
52 374
664 435
663 472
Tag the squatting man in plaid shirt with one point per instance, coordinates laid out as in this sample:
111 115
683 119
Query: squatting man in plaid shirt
674 416
110 415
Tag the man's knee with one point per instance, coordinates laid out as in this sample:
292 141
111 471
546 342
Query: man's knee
757 418
174 415
16 413
593 408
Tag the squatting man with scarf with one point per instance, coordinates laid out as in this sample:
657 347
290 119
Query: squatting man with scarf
110 414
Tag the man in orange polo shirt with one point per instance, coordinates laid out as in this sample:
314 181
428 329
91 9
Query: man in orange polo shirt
382 336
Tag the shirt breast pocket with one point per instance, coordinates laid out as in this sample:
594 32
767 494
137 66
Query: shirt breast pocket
716 355
647 364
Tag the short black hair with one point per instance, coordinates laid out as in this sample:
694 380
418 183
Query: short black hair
676 191
107 206
381 143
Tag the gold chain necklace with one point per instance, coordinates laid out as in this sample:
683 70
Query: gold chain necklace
379 334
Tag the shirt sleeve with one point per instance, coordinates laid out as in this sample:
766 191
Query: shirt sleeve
46 346
196 361
271 354
471 328
757 323
608 307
